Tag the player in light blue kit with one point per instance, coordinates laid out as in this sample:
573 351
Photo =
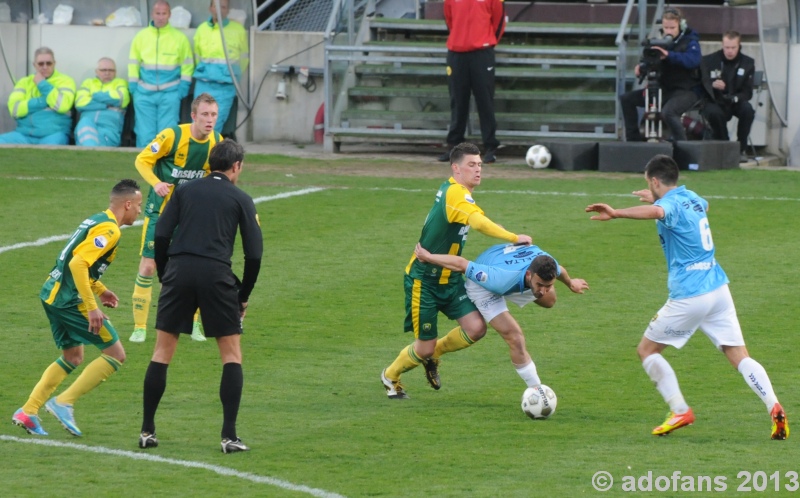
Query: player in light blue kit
520 274
698 294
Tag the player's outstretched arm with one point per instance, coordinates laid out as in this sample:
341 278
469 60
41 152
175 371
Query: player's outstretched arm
606 212
576 285
449 261
644 195
491 229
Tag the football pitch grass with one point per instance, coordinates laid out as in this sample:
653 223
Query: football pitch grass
327 314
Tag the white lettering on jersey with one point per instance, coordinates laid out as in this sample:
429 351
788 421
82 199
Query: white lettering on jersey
700 266
187 173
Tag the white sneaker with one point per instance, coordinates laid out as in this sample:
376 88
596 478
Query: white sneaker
139 335
197 332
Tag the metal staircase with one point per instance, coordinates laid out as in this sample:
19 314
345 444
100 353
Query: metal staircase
386 82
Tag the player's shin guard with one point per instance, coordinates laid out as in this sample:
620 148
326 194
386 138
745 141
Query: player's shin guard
95 373
52 377
405 361
142 295
455 340
230 393
756 377
666 382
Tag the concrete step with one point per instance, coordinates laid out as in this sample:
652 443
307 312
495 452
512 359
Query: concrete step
558 28
501 117
500 94
500 71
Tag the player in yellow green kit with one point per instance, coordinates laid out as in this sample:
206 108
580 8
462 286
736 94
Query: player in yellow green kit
68 297
177 155
430 288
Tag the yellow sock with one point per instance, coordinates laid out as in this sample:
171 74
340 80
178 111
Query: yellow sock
455 340
95 373
406 360
142 294
52 377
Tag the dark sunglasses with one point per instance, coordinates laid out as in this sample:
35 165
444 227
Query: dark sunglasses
45 63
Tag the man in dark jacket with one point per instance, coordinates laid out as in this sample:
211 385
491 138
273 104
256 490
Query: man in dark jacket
678 78
728 78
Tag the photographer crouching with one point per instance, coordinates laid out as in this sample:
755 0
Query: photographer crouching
728 78
677 75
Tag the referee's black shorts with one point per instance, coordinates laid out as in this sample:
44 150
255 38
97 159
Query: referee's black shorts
192 282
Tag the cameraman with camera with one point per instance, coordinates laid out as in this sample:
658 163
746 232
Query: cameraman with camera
728 78
673 66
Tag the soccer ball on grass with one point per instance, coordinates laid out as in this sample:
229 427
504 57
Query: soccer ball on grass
539 402
538 157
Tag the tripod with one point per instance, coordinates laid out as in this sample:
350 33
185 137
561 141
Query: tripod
653 125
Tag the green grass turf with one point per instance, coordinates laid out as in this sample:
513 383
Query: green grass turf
326 316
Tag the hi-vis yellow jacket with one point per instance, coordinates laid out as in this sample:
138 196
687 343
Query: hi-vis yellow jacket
43 109
160 60
210 56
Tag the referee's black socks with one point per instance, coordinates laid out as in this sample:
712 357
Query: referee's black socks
155 382
230 393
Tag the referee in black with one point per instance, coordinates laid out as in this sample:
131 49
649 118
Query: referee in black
193 247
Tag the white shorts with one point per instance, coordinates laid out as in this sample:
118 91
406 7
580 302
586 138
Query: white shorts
490 304
714 313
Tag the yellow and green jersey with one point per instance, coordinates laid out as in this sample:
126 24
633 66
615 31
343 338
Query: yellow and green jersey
174 157
94 244
445 231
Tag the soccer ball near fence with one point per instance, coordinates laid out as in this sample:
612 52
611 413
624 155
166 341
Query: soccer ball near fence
538 156
539 402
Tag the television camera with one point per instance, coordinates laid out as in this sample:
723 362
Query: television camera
650 68
650 62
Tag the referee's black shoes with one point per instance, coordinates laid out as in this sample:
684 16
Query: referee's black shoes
489 156
233 445
147 440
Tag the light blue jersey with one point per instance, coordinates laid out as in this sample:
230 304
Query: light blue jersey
501 268
686 239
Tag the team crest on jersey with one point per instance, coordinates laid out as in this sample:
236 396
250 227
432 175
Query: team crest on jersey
426 327
469 199
154 147
100 241
481 276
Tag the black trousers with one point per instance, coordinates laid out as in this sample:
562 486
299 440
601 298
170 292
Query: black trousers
673 105
719 115
471 72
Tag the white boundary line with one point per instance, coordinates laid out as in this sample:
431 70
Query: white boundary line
223 471
56 238
311 190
